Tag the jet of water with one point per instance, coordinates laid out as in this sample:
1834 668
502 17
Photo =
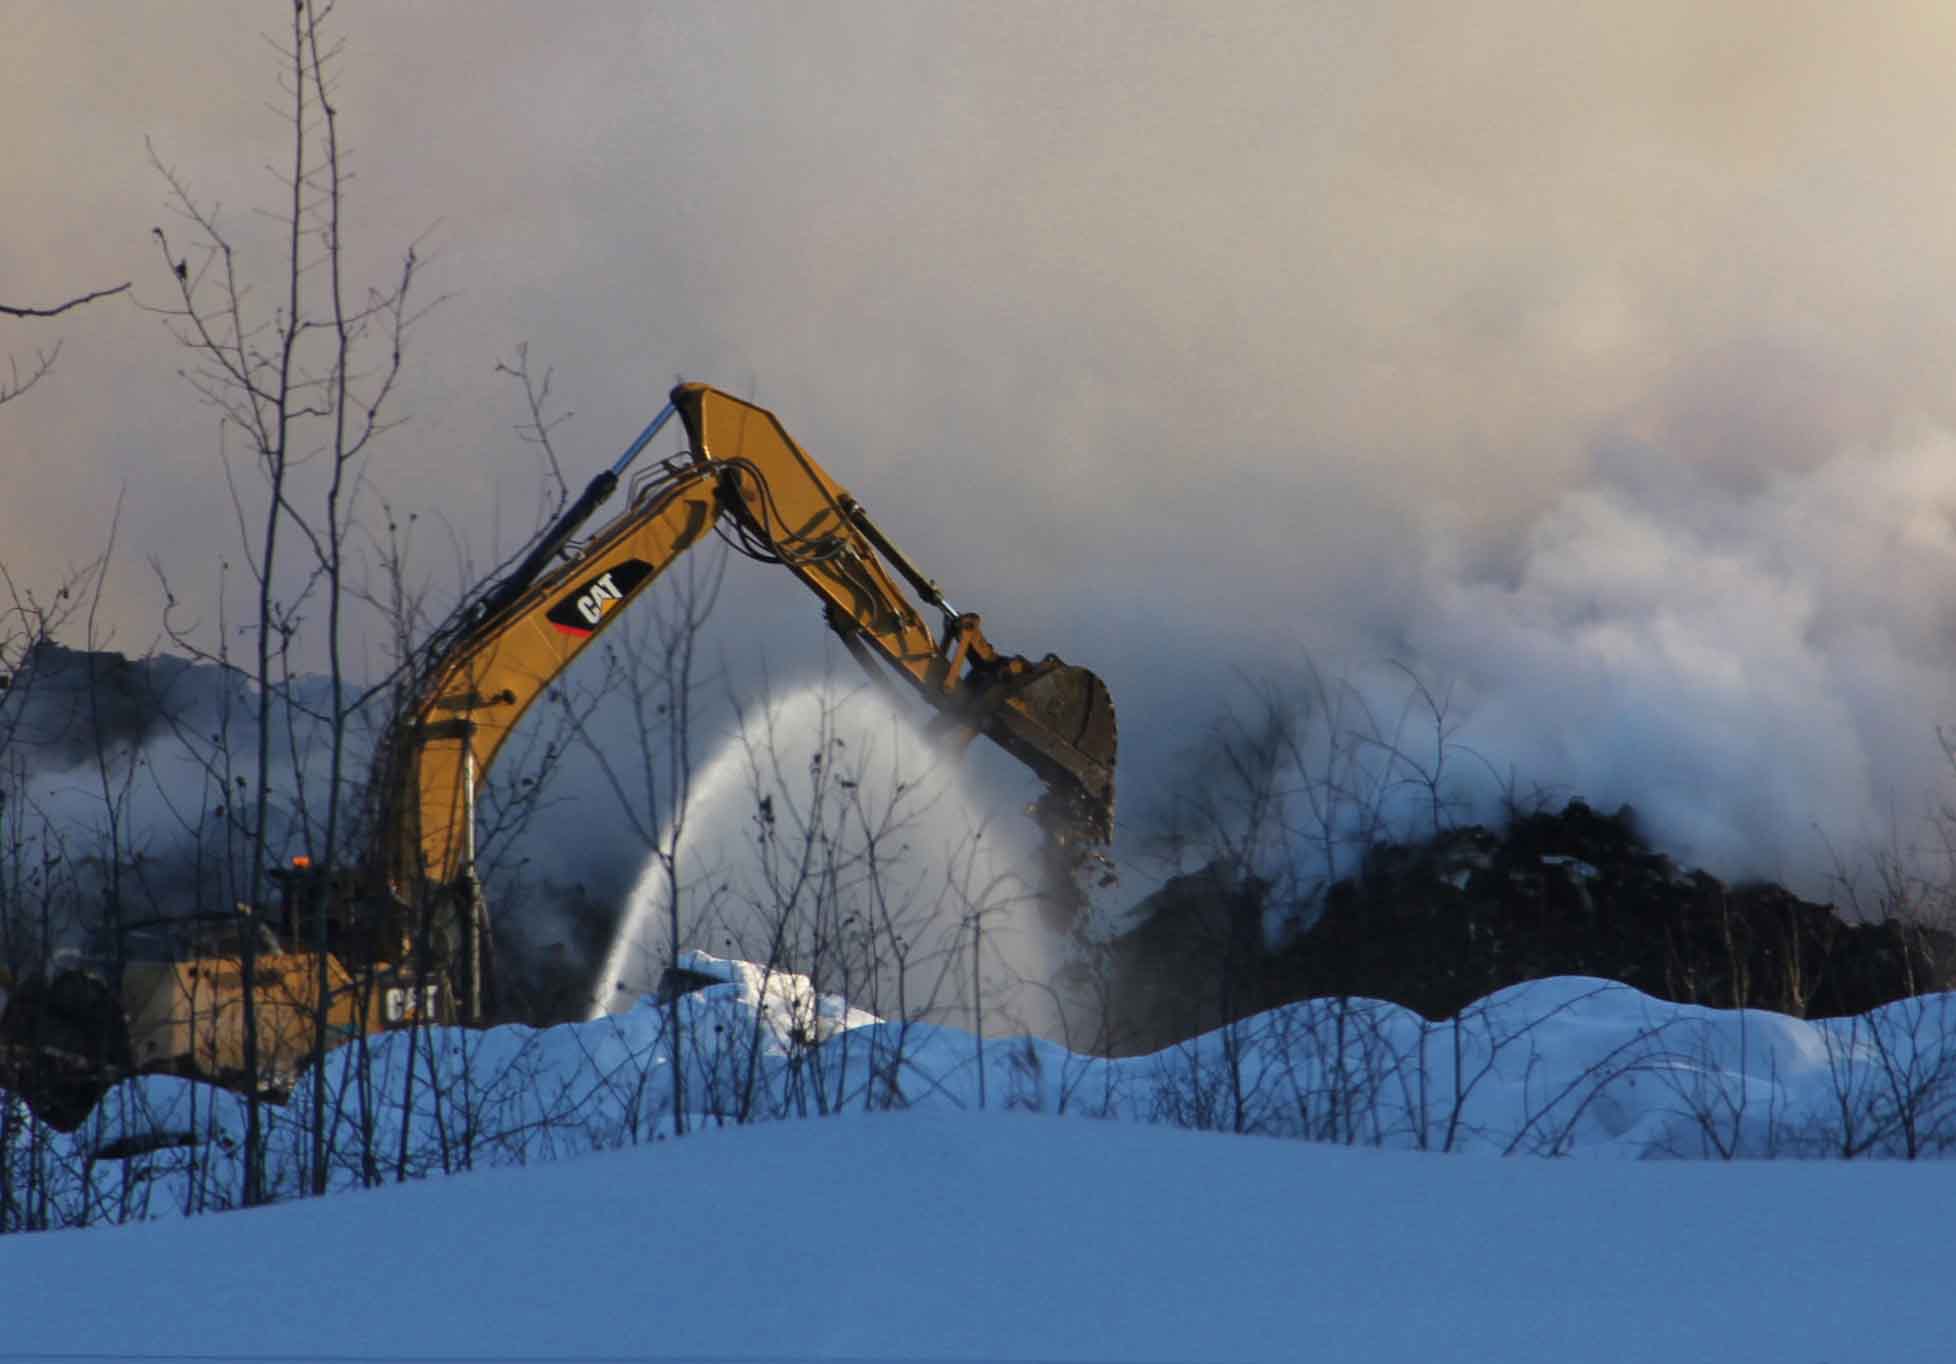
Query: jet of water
829 835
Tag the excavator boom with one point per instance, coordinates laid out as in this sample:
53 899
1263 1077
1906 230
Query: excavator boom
746 472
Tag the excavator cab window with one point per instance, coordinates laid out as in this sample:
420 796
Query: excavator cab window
186 937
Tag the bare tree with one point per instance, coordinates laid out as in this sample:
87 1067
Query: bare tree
304 388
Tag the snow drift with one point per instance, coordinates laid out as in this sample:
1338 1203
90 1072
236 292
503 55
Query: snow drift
1564 1067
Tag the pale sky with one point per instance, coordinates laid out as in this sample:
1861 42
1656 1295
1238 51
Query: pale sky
1595 358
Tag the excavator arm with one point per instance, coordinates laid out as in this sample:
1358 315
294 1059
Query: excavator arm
746 473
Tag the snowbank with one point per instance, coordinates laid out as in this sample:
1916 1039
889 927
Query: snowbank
1567 1067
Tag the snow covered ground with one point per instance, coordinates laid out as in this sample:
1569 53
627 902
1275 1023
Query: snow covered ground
941 1236
945 1210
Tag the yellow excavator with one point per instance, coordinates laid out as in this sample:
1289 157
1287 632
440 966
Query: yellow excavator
405 935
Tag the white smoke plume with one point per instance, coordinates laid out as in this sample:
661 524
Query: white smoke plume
1758 666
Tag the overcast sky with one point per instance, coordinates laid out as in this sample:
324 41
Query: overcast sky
1595 359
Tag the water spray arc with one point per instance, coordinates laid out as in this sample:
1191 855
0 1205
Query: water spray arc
831 836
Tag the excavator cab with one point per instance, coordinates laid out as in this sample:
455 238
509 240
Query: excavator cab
167 995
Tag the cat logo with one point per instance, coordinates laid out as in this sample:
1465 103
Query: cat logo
585 608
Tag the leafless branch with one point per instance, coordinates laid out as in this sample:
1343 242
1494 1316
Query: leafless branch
60 308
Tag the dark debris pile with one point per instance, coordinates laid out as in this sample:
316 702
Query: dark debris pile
1436 925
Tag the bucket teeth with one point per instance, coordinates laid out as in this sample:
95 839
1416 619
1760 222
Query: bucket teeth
1061 723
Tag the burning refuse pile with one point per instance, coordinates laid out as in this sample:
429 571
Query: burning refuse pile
1434 925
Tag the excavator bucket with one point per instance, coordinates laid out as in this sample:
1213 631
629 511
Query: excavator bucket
1059 721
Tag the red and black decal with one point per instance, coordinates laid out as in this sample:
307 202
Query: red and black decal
584 608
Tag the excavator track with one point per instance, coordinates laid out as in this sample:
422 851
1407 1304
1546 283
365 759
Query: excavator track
63 1044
